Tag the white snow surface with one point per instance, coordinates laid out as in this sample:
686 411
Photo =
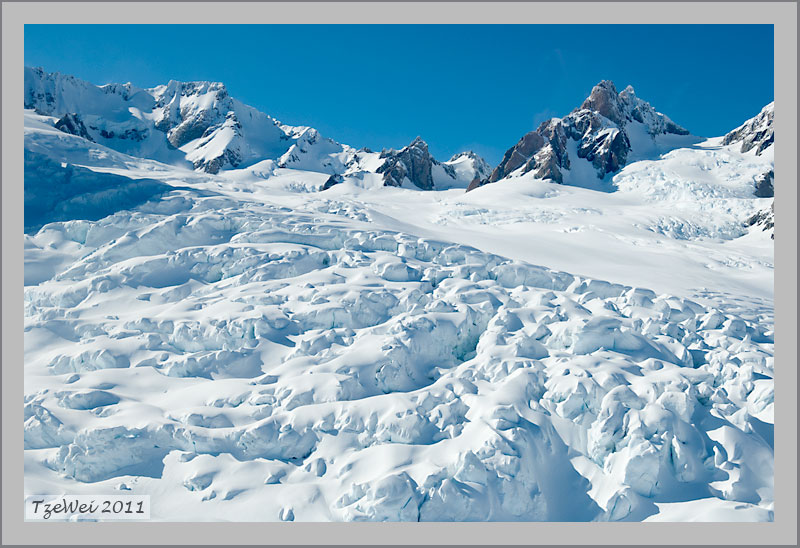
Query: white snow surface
246 348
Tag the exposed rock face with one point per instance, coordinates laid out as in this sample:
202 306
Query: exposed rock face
756 133
413 162
332 180
476 182
764 219
71 123
184 121
764 185
598 127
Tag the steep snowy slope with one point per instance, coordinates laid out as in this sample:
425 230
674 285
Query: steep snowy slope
196 122
214 130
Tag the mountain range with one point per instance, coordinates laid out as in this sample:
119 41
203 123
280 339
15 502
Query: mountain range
200 126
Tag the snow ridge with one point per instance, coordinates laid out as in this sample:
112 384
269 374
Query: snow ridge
199 123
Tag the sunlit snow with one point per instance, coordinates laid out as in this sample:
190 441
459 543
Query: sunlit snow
241 346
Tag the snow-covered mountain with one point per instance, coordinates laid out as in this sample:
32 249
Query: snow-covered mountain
757 136
605 133
242 346
757 133
199 123
470 166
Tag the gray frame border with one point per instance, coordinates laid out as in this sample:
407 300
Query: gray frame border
784 17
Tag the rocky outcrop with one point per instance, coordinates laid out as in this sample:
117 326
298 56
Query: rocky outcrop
332 181
71 123
599 129
765 219
185 121
412 162
764 185
757 133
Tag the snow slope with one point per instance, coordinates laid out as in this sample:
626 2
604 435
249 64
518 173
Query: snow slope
241 346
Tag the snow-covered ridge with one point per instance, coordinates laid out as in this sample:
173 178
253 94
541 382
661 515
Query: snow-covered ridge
757 133
199 123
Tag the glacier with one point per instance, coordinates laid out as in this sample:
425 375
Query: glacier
242 345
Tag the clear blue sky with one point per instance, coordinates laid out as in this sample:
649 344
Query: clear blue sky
458 86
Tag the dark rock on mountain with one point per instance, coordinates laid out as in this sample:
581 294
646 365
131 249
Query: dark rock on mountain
71 123
229 157
599 128
764 219
182 124
332 180
41 91
764 185
756 133
413 162
476 182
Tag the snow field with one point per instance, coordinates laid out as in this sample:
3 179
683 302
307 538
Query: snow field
220 355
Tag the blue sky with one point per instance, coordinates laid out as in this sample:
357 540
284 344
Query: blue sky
460 87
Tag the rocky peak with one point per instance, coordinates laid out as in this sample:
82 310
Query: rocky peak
53 93
756 133
600 128
125 91
189 110
223 132
413 162
466 154
605 101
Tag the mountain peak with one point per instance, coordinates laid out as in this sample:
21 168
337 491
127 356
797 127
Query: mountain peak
418 142
605 100
465 154
413 162
600 126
